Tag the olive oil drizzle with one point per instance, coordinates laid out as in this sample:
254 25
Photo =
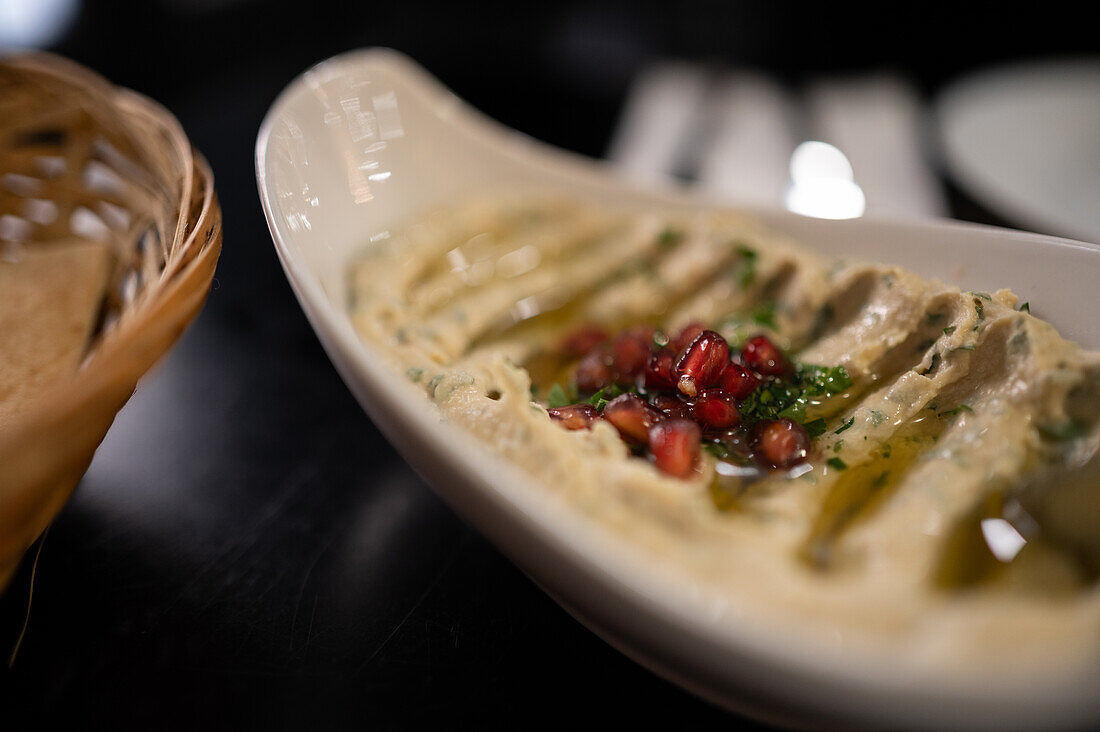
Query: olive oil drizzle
859 489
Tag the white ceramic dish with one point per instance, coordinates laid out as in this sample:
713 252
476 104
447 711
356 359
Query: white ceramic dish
364 141
1024 140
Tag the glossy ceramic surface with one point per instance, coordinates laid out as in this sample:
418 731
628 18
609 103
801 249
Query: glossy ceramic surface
365 141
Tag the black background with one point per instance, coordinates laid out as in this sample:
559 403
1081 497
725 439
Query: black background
246 549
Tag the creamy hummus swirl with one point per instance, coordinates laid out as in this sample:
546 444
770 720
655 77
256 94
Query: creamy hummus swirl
963 530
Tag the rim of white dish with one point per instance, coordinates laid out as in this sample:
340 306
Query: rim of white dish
579 540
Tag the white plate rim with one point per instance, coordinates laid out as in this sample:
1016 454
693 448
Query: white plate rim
558 530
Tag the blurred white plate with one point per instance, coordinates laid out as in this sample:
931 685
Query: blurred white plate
365 141
1024 141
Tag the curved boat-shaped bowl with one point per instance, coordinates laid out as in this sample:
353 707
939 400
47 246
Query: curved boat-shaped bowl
365 141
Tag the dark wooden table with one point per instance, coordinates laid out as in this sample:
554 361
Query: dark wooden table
246 549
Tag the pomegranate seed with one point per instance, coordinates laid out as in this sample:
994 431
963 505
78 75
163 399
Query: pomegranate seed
738 381
672 405
593 372
658 372
780 443
575 416
702 362
716 409
686 335
674 444
764 357
629 355
632 417
583 340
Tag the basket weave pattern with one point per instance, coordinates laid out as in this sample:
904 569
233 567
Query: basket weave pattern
81 158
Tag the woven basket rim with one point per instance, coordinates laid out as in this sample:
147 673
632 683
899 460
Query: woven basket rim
45 450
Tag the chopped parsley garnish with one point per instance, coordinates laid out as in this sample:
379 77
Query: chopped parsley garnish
669 238
877 417
600 399
739 321
822 380
746 267
950 329
849 423
837 463
1025 308
764 314
556 397
983 295
789 399
815 428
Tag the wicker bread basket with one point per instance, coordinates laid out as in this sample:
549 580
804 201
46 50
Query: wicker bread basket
81 158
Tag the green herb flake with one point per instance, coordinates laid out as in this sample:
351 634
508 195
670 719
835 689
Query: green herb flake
979 310
888 280
838 445
789 399
600 399
414 374
556 397
957 410
849 423
837 463
983 295
816 428
1025 308
764 314
746 267
669 238
950 329
877 417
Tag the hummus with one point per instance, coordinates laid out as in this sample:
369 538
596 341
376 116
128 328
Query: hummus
950 511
